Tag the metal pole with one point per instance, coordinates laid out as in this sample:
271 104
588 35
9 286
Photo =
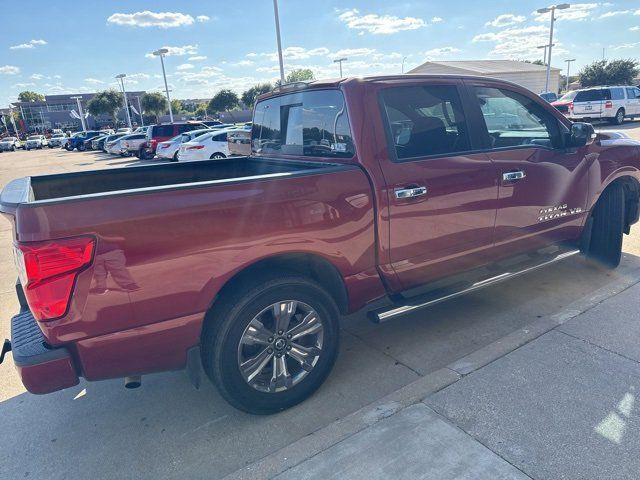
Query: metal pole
403 59
553 19
126 105
80 112
568 64
339 62
140 112
166 87
275 12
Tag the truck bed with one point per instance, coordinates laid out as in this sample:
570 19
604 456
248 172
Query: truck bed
59 187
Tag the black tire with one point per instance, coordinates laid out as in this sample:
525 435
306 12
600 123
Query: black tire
142 154
175 157
68 148
81 147
227 321
13 148
607 227
619 118
217 156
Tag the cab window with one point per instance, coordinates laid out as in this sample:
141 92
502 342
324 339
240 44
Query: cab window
514 120
424 121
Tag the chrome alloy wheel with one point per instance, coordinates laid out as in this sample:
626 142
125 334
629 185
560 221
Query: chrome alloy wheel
280 346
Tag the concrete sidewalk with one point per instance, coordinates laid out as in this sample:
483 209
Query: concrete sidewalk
553 400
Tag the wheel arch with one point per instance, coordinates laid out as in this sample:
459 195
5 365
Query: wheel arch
313 266
631 187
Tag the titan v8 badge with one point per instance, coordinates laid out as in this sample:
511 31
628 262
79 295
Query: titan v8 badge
559 211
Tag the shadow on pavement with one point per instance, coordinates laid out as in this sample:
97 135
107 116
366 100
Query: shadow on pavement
167 429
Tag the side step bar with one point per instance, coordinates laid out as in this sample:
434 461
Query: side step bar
432 298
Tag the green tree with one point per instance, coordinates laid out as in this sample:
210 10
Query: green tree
249 96
29 96
223 101
201 110
107 102
176 106
604 72
154 103
299 75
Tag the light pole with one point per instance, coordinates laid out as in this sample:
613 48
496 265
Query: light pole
544 60
403 59
140 112
161 53
551 9
80 112
277 17
126 105
339 62
568 65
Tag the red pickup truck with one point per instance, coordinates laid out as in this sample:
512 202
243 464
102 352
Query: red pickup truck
384 193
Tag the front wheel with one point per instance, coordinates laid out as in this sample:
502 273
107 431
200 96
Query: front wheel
13 148
81 147
217 156
605 245
270 346
175 157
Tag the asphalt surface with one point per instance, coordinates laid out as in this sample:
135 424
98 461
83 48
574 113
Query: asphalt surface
166 429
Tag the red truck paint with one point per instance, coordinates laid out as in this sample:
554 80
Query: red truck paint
182 245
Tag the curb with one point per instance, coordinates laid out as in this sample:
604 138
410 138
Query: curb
322 439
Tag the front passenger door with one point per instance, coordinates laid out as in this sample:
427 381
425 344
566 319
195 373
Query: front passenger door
542 185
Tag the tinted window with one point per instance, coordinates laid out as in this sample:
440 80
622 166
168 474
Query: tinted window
163 131
222 137
617 93
309 123
425 121
633 93
513 120
589 96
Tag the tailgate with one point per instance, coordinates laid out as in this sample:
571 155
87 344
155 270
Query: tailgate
588 108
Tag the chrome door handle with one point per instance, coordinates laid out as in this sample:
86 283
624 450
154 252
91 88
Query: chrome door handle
412 192
513 176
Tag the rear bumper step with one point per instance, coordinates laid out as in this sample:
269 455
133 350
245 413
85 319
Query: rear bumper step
43 369
442 295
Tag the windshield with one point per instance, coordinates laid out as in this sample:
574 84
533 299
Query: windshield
34 137
569 95
309 123
9 139
57 135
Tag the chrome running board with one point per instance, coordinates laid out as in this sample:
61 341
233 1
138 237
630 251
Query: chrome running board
432 298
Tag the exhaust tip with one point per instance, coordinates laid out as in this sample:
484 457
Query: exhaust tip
132 382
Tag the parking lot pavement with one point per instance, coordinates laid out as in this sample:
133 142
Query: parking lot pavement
167 429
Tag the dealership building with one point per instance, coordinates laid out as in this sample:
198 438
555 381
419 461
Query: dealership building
56 111
529 75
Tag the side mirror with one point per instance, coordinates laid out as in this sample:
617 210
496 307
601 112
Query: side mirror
581 134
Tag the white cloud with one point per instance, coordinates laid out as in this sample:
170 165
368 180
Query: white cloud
353 52
93 81
9 70
291 53
577 11
438 53
30 44
202 18
23 85
614 13
177 51
635 29
625 46
58 77
151 19
505 20
437 20
243 63
379 24
185 66
138 75
197 58
518 43
38 76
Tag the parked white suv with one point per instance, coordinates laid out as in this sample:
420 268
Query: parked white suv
36 141
601 103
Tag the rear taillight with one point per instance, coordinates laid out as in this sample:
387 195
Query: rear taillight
196 147
164 145
152 144
570 106
48 271
608 104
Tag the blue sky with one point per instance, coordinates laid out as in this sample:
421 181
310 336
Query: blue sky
79 47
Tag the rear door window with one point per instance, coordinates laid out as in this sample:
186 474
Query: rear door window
310 123
589 96
425 120
222 137
617 93
163 131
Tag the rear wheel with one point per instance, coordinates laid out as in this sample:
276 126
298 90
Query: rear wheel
217 156
271 345
175 157
81 147
607 227
619 118
142 154
13 148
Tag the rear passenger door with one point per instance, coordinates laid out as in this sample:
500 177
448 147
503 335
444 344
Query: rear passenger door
633 101
543 185
441 194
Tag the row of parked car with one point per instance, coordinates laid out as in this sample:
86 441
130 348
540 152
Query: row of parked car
172 141
612 103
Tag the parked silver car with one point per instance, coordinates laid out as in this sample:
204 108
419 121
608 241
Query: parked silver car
10 143
169 148
36 141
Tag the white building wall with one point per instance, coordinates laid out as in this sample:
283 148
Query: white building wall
534 81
